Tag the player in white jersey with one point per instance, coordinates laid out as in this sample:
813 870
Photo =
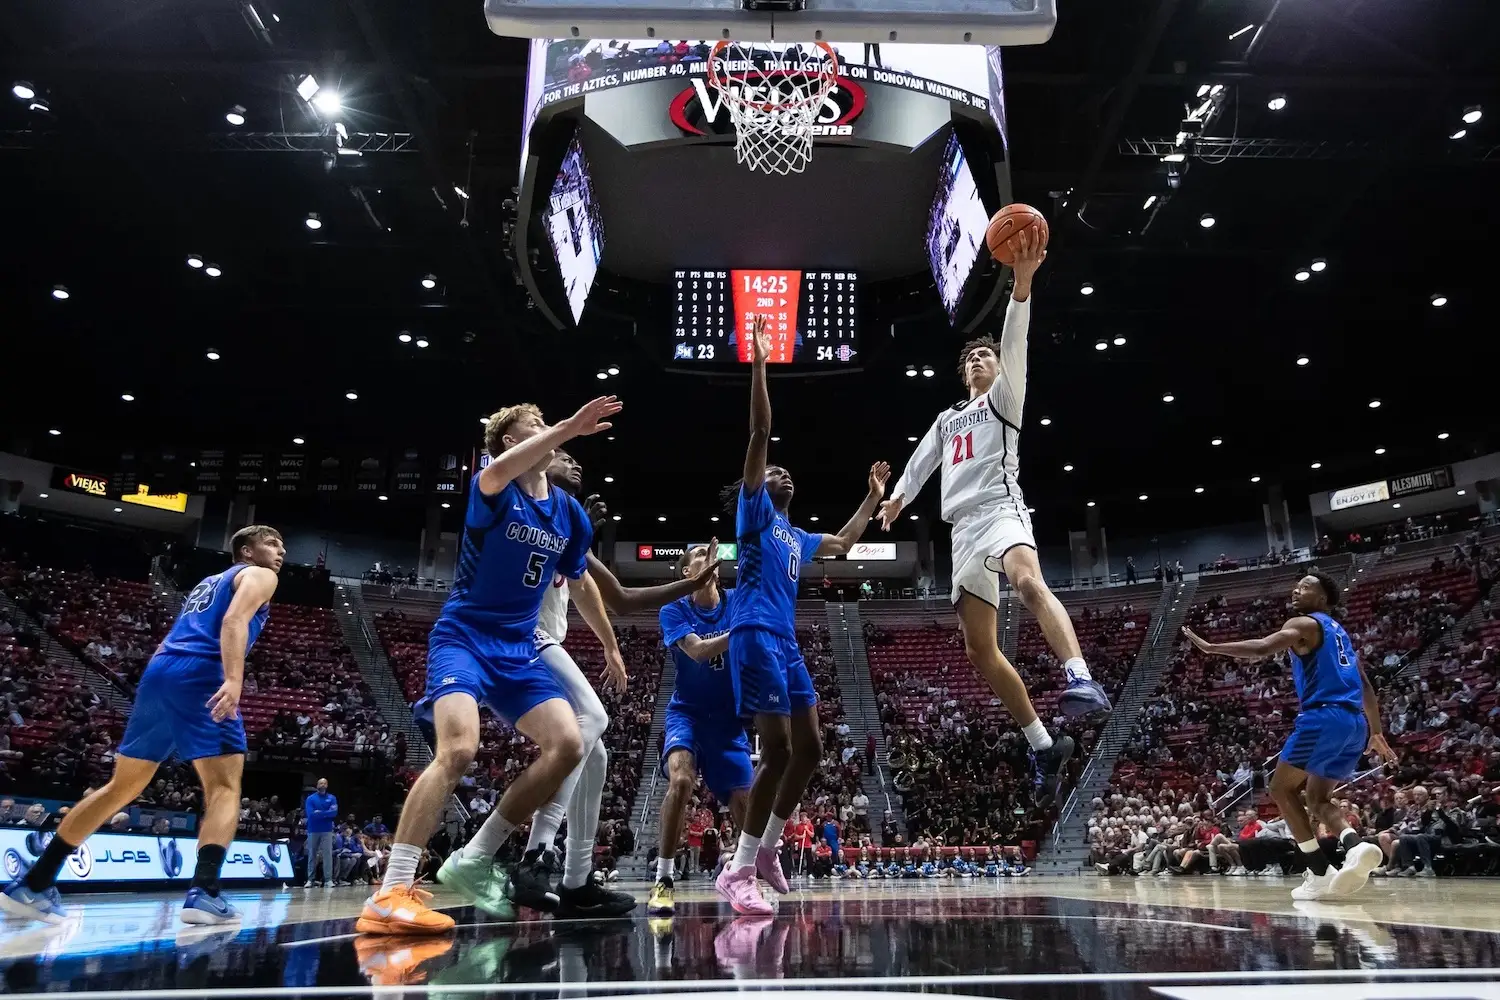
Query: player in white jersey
976 445
470 869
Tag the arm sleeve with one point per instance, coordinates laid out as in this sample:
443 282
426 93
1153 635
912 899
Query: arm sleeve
920 467
755 510
675 625
1008 394
484 511
574 559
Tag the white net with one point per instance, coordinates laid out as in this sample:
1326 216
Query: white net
774 93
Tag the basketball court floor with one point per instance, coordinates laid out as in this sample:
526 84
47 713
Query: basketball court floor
1040 937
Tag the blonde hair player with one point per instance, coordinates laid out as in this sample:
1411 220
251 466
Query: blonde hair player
975 443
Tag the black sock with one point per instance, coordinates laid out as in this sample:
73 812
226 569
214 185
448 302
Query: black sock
43 874
1349 838
206 875
1317 861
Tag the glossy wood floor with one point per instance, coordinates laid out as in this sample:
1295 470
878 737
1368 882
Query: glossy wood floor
1194 938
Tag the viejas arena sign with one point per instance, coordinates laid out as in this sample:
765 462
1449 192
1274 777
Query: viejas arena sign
700 110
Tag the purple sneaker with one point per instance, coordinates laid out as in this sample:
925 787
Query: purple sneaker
737 886
768 867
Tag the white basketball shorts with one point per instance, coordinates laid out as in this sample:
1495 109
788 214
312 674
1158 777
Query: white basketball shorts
981 537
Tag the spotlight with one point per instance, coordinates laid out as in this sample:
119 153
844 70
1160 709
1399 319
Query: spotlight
1197 489
1459 134
1472 114
1380 451
1150 200
1396 506
313 222
213 355
813 517
1207 221
913 517
1255 479
601 375
1046 422
1089 504
614 518
1443 436
422 342
382 497
235 115
1142 497
119 510
1216 90
23 90
1374 404
714 518
1067 468
1319 265
1168 397
912 438
609 479
61 293
307 88
1202 90
1216 442
429 282
1317 465
127 397
1438 301
194 261
299 441
911 372
927 372
212 270
1277 102
661 517
1303 361
1302 274
328 102
1086 289
351 395
613 369
1119 340
1101 345
404 337
55 432
1173 158
775 438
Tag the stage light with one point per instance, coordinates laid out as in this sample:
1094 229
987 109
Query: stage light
54 432
1317 465
313 222
119 510
1303 361
1198 489
1380 451
351 395
1460 493
213 355
1396 506
911 372
299 441
23 90
328 102
235 115
912 438
1067 468
1459 134
429 282
615 518
1168 398
1173 158
1216 90
1046 422
601 375
1101 345
1202 90
1438 301
776 438
613 369
1142 497
1302 274
423 342
194 261
1216 442
1277 102
1119 340
714 518
1150 200
1319 265
928 372
1089 504
1255 479
1442 435
61 293
609 479
382 497
1374 404
661 517
307 87
1472 114
405 338
813 517
913 517
1086 289
1207 221
213 270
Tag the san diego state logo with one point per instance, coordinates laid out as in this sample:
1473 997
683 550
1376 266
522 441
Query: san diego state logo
700 110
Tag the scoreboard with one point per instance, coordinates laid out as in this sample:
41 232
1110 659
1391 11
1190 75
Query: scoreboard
811 316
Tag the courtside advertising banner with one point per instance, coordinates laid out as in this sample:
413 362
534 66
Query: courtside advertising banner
127 857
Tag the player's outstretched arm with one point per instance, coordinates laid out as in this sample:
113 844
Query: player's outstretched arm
623 600
701 650
919 468
253 587
760 407
591 418
1008 394
1300 630
840 543
591 606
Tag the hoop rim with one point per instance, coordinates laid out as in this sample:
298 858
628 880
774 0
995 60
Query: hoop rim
829 77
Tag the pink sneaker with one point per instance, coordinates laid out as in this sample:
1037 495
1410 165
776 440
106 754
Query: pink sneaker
737 886
736 945
768 867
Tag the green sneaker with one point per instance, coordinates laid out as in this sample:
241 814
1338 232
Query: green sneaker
481 882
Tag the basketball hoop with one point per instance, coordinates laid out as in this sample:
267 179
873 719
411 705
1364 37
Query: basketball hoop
774 93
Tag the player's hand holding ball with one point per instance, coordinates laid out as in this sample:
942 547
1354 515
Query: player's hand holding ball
1017 236
593 416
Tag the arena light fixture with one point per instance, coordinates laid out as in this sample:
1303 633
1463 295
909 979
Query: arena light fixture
1397 506
1168 398
213 355
1150 200
54 432
613 369
299 441
927 371
1142 497
1216 442
307 87
1472 114
405 338
1045 421
1319 265
1207 221
61 293
43 496
351 395
446 505
913 517
1374 404
1197 489
1438 301
814 517
423 342
381 497
1101 345
194 261
1277 102
1089 504
1317 465
235 115
714 518
776 438
1380 451
609 479
1459 134
1086 289
429 281
1202 90
121 510
1303 361
1442 435
1255 479
1460 493
1173 157
1248 27
1302 274
328 101
1119 340
23 90
911 371
313 222
615 518
1068 468
661 517
213 270
912 438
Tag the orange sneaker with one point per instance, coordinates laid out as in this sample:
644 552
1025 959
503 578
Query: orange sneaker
402 909
388 960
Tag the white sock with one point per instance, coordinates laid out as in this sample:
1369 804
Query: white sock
663 866
1037 735
1309 846
1077 670
744 854
401 866
771 836
490 837
578 862
545 823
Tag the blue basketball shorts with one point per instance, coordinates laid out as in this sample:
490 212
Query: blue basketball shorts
501 672
719 748
769 673
171 712
1327 741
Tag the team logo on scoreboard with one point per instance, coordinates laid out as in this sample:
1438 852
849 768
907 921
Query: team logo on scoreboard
700 110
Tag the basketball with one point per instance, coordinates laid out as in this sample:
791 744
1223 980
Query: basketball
1010 221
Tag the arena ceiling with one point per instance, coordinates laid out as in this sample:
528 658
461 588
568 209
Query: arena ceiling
133 166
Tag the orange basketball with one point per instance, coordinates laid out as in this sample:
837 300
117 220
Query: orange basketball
1011 221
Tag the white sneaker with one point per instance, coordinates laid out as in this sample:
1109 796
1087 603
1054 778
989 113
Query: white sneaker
1238 870
1427 873
1361 860
1314 886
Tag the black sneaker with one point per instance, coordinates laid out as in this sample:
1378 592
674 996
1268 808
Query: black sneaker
551 862
592 900
1049 765
531 886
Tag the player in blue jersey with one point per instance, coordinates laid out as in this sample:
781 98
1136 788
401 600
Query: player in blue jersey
773 682
519 533
1339 719
704 733
187 702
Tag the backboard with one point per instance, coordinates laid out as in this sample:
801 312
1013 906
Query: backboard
957 22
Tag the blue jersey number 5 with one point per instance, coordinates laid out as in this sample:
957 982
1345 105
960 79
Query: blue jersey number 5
536 563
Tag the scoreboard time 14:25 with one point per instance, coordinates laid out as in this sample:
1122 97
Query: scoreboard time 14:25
812 316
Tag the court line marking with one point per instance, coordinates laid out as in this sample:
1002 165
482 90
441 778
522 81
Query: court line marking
780 985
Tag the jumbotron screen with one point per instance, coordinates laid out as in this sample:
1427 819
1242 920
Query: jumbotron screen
811 316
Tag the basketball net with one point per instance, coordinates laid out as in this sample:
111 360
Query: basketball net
774 93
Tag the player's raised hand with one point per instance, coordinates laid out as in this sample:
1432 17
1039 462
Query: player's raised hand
761 338
880 474
597 511
710 570
889 511
1380 748
593 416
1030 249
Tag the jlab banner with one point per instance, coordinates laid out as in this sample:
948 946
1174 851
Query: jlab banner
125 857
